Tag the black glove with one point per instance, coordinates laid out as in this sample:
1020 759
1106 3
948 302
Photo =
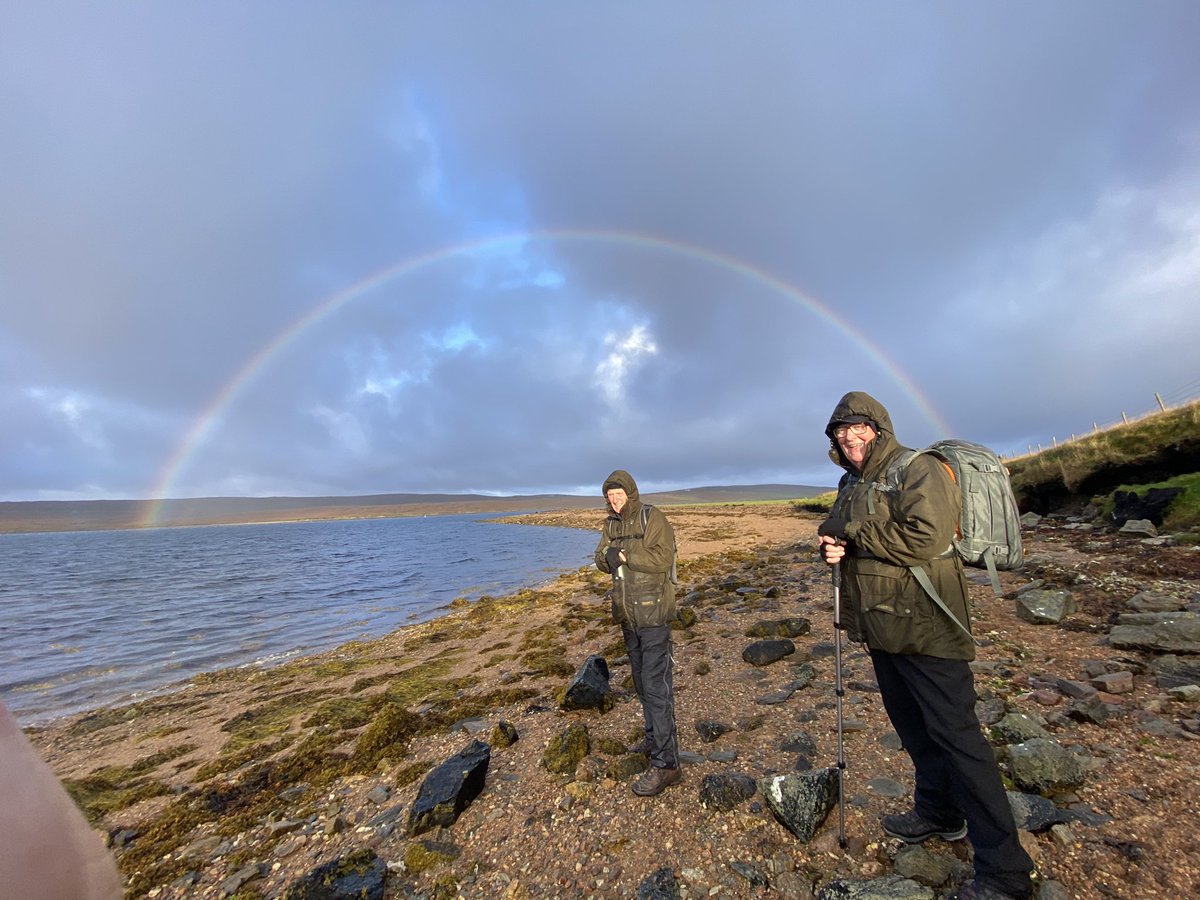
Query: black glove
834 527
612 556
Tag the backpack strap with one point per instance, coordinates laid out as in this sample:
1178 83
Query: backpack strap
927 583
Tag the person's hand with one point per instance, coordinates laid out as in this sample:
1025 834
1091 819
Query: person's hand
834 527
612 556
832 549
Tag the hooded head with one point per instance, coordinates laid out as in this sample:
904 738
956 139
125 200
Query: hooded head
623 480
857 407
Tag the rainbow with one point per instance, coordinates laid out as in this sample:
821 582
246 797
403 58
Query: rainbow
204 423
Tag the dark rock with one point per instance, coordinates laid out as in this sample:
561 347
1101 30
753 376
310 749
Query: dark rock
916 862
780 628
887 787
805 675
450 788
783 695
234 883
1170 632
799 742
723 756
801 801
1016 728
357 875
1154 601
889 887
710 731
991 710
763 653
1042 766
659 885
1041 607
564 751
1033 812
725 791
1171 671
752 875
1077 690
1151 505
589 688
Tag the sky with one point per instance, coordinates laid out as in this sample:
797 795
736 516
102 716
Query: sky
312 249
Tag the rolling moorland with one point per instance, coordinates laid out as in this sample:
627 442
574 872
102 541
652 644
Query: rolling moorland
302 781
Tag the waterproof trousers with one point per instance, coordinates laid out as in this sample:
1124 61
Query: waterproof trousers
650 658
931 702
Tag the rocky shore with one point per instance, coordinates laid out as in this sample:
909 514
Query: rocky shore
324 777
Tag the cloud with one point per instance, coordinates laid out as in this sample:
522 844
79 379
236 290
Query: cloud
687 222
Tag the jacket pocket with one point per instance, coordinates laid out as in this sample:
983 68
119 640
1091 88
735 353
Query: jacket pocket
891 618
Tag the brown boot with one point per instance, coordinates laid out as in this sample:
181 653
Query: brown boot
654 781
644 746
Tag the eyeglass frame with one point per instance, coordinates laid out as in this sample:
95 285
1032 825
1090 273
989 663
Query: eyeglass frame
858 428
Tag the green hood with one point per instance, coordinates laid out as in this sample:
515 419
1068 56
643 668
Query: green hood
855 406
622 479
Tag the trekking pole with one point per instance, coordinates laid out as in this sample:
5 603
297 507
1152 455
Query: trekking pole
837 684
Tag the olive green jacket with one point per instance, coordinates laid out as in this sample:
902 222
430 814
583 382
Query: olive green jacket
643 594
883 604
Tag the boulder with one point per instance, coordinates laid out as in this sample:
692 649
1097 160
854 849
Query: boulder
565 751
725 791
763 653
1042 607
1167 632
357 876
589 688
1043 766
801 801
450 788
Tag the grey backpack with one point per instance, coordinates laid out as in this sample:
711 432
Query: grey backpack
989 525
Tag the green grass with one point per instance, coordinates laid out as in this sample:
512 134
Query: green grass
1183 513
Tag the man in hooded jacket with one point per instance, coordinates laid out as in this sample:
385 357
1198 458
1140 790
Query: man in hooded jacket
637 547
876 531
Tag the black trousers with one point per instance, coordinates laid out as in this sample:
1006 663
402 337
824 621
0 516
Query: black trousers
931 703
650 658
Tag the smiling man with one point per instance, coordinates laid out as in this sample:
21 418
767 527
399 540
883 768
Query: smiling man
878 531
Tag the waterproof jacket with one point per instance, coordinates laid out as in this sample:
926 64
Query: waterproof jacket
889 530
643 595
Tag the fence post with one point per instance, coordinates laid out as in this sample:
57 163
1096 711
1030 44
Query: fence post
1160 403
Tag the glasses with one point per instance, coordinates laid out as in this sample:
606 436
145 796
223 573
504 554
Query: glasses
859 428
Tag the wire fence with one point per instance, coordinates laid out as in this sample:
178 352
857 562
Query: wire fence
1184 395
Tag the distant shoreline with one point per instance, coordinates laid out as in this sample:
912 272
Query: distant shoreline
24 517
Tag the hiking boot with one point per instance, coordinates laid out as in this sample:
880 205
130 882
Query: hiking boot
652 783
912 828
644 747
978 890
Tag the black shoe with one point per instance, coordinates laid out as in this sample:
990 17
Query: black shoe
655 781
978 890
913 828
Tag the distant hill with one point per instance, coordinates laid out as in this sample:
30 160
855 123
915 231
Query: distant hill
92 515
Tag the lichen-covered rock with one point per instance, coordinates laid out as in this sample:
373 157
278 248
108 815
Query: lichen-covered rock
565 750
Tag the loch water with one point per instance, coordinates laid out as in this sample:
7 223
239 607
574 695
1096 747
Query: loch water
89 619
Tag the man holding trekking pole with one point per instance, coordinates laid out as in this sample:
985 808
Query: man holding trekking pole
878 533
